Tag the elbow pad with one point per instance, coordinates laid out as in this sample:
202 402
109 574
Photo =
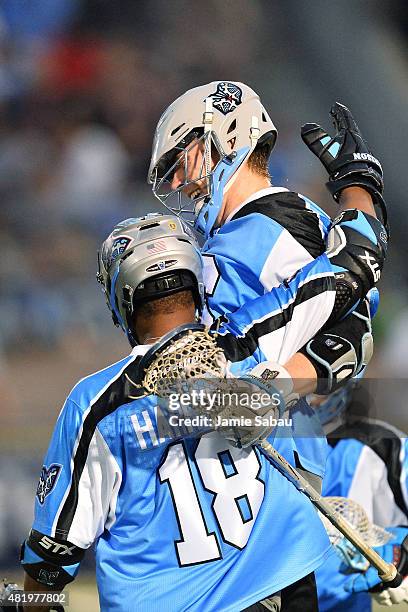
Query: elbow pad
50 561
357 247
381 209
341 352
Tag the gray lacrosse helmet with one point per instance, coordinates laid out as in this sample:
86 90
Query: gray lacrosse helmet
146 258
228 120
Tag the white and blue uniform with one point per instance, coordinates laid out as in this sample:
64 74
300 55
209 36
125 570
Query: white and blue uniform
367 462
196 525
187 508
274 238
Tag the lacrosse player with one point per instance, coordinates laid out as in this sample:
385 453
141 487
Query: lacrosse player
197 524
210 164
367 462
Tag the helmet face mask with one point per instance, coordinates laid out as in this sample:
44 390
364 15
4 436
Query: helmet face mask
148 258
228 120
188 161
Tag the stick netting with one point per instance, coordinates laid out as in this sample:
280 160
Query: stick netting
194 355
356 516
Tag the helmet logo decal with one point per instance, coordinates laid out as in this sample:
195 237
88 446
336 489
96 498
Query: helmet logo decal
118 248
161 265
227 97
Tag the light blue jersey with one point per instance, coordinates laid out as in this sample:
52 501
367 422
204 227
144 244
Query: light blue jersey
368 463
275 238
198 525
194 525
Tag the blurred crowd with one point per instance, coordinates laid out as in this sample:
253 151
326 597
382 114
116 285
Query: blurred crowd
77 109
82 85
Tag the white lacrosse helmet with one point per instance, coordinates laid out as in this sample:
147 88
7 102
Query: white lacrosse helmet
229 121
146 258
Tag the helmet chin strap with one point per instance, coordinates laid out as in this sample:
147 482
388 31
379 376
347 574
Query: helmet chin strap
207 121
254 132
222 178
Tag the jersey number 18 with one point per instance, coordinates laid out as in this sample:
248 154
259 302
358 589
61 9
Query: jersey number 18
232 476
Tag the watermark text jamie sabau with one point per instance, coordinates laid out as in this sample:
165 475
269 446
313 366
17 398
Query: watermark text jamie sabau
209 409
203 421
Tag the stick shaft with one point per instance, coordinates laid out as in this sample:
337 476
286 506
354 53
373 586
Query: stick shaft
386 571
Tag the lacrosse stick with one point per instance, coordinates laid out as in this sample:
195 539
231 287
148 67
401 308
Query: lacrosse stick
386 571
192 352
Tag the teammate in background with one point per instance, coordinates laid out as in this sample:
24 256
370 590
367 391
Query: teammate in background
368 463
210 161
197 525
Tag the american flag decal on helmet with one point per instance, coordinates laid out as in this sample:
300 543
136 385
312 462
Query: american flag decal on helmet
156 247
227 97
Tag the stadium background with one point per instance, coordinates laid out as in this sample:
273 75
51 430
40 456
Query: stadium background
82 85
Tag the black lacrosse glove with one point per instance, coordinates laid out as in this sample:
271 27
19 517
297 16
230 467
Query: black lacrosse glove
346 156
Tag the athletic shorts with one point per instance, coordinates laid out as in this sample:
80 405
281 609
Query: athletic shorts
301 595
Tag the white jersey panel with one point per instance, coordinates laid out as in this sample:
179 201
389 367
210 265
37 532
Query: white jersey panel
286 257
101 476
369 487
282 344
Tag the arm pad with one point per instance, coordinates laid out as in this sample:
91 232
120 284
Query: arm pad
342 351
50 561
357 247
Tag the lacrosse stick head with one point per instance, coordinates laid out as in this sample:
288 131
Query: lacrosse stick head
187 362
187 352
356 516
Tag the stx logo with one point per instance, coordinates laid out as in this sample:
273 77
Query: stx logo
372 264
60 549
48 578
366 157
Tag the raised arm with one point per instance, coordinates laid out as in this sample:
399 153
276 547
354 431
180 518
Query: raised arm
356 247
349 163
